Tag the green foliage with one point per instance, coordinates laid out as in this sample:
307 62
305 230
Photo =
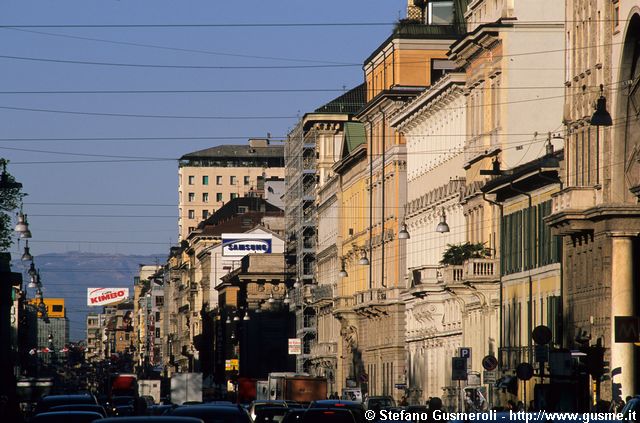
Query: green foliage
10 200
457 254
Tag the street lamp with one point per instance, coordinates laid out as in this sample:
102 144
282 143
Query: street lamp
286 300
343 272
364 261
26 256
601 116
404 233
271 298
442 227
297 283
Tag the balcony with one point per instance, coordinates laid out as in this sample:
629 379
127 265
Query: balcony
574 199
322 292
324 349
472 271
480 270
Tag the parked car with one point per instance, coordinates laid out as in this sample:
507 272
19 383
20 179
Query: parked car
49 401
96 408
213 413
67 417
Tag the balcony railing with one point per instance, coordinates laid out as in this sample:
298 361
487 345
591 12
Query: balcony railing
323 349
473 270
322 292
574 198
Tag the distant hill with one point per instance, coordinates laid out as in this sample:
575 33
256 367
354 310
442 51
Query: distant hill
68 275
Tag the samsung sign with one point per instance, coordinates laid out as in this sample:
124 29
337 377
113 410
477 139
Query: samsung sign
239 245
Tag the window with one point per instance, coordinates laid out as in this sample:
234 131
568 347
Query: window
246 180
218 180
233 195
233 180
440 13
192 214
192 197
205 197
439 67
205 180
191 229
157 332
157 316
205 214
159 301
218 196
191 180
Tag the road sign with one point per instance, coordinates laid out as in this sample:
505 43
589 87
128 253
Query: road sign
541 335
524 371
627 329
458 368
489 362
295 346
489 377
465 352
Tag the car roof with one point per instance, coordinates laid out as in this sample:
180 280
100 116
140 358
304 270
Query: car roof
207 409
329 403
152 419
67 416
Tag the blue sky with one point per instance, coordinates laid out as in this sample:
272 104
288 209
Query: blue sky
135 185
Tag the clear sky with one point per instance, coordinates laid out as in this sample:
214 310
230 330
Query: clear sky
73 199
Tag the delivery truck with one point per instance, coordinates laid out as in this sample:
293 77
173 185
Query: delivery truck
300 388
150 388
186 387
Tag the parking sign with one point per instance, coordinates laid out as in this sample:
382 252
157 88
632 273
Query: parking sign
465 352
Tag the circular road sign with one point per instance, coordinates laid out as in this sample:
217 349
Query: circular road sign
524 371
489 363
541 335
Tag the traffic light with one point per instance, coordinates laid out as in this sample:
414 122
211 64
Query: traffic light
595 361
616 391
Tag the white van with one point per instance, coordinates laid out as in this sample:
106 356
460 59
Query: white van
351 394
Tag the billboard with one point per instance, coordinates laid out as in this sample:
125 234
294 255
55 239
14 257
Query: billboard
239 245
106 296
55 306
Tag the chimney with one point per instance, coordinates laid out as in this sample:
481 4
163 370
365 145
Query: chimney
415 10
258 142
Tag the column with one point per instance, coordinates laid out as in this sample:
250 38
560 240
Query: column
622 299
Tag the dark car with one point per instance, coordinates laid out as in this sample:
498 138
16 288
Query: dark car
379 402
67 417
259 404
152 419
123 406
96 408
270 414
160 409
354 407
213 413
333 415
49 401
294 415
